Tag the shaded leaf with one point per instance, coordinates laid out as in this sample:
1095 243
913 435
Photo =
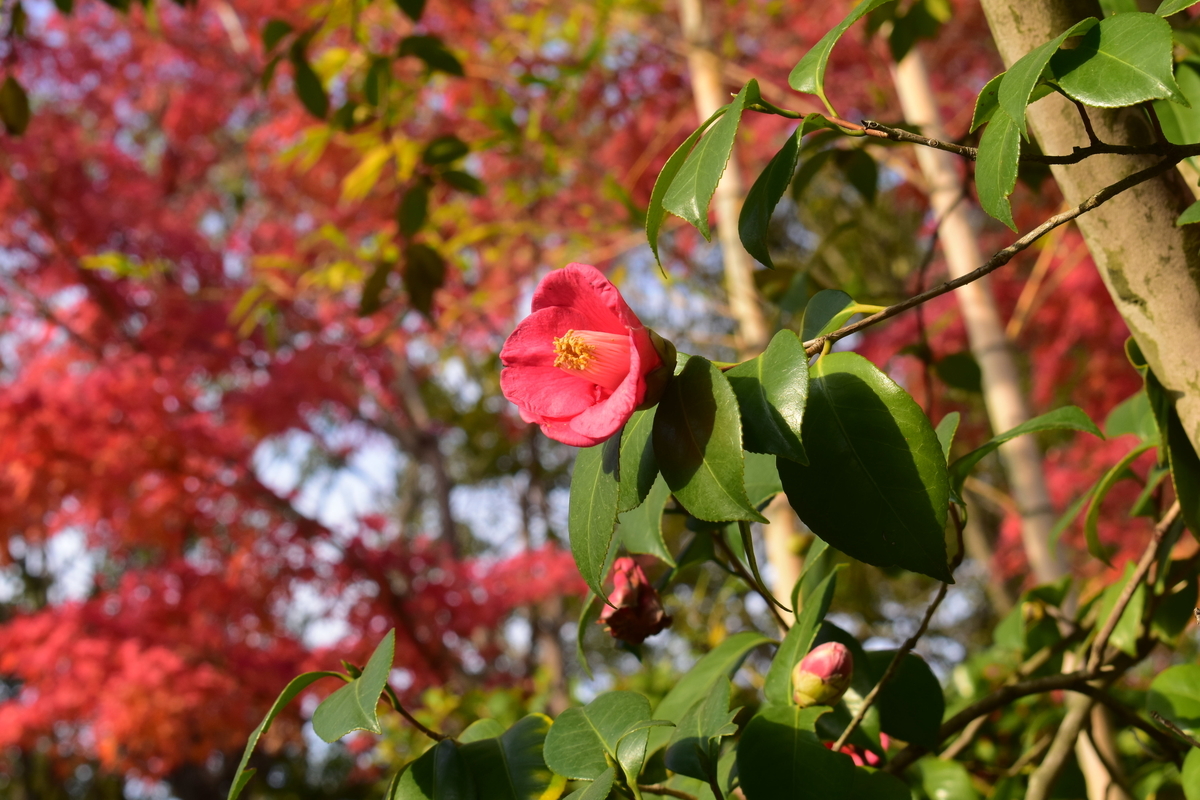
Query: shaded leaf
780 756
592 515
14 107
463 181
511 766
1175 694
764 195
826 311
424 274
378 80
373 288
695 745
911 704
640 528
445 149
308 86
413 9
439 774
273 33
960 371
432 51
771 391
638 467
1092 519
414 207
798 641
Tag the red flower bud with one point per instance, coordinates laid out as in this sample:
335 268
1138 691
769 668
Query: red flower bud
638 611
822 676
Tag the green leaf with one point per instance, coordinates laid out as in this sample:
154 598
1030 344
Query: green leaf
289 693
826 311
587 617
640 528
373 287
463 181
780 756
945 779
871 784
444 149
987 102
655 213
870 449
698 682
14 107
698 443
808 75
433 52
771 391
1185 472
996 166
960 371
860 171
696 182
1092 519
414 208
1175 694
764 195
308 86
1132 415
1067 418
1165 9
599 788
1124 60
439 774
638 469
379 78
65 6
1017 85
1190 775
695 745
945 431
481 729
1125 635
581 737
762 479
1190 215
413 9
911 704
592 515
1181 124
808 170
424 274
352 707
273 33
511 766
798 641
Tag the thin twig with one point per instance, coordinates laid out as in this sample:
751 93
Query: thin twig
1044 777
394 701
963 741
740 571
1127 715
1114 773
1135 580
1093 139
1001 258
904 650
665 791
1156 123
1175 729
1030 755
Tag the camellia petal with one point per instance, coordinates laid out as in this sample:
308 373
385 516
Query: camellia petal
548 392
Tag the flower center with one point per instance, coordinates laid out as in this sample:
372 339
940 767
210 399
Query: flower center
602 358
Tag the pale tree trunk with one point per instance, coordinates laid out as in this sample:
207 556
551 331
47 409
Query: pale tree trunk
1151 267
1002 392
752 335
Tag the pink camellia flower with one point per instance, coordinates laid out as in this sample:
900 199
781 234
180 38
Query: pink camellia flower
636 611
582 362
822 676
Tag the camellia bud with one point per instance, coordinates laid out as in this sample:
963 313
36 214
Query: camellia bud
636 610
822 676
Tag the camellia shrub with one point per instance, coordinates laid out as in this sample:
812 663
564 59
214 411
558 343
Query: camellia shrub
873 477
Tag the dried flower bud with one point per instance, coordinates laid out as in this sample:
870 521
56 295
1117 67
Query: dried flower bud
822 676
638 611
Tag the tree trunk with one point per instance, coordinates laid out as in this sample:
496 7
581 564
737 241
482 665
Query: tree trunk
1151 267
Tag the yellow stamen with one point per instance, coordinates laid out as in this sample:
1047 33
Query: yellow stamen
571 351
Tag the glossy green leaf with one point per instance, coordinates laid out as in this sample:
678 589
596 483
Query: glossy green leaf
1190 215
273 33
762 479
695 745
1067 418
808 75
481 729
1175 694
945 780
639 469
581 737
1124 60
698 682
1017 85
414 208
1180 123
860 171
996 166
655 212
764 195
592 514
870 449
413 9
780 756
694 185
352 707
698 444
826 311
1092 520
424 274
1132 416
433 52
987 102
439 774
945 431
587 617
511 766
308 85
640 528
798 641
289 693
911 704
1189 776
597 789
871 784
771 391
444 149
